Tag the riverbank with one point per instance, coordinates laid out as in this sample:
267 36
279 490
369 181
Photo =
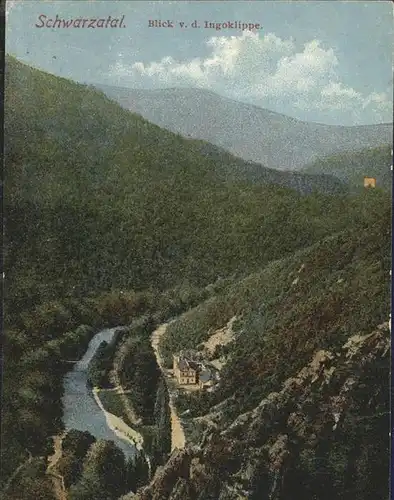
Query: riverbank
118 426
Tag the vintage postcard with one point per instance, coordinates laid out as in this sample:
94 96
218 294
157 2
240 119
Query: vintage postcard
197 255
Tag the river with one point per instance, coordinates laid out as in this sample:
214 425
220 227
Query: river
81 411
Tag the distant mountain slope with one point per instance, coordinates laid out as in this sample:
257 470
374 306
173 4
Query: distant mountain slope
234 169
250 132
351 167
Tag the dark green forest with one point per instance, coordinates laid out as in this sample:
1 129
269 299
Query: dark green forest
99 192
313 300
109 218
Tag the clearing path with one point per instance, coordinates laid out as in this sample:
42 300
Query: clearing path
57 479
177 434
57 445
220 337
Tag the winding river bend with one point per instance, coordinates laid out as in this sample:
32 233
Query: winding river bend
81 411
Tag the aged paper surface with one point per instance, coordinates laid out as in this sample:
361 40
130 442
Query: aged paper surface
197 254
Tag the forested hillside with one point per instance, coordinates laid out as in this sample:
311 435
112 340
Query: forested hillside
95 191
351 167
314 299
302 406
110 218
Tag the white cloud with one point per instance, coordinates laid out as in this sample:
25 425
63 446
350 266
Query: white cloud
264 69
304 71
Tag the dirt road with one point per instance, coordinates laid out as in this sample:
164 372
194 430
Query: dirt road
57 479
177 434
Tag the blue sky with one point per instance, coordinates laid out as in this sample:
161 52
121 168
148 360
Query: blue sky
324 61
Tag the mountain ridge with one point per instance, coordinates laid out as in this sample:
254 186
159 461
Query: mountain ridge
248 131
232 99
